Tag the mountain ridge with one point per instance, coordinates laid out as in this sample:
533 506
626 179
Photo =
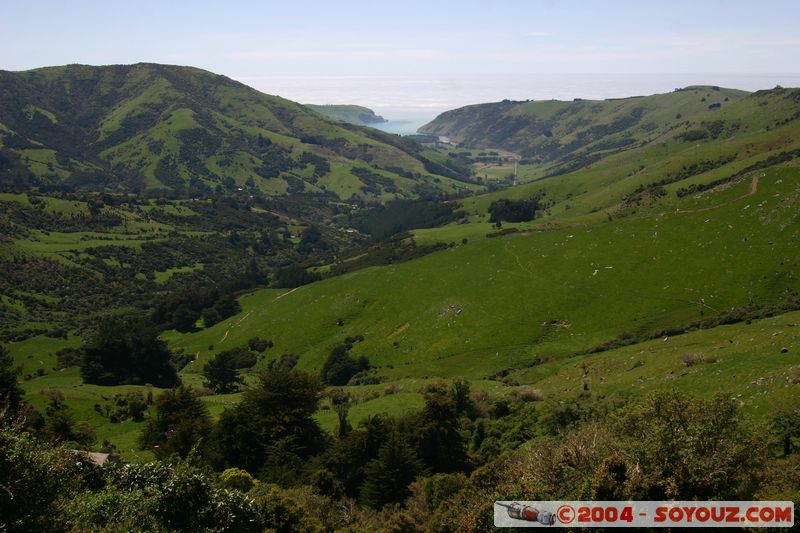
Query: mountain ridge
557 133
149 126
354 114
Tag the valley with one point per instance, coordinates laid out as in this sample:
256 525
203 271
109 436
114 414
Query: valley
645 251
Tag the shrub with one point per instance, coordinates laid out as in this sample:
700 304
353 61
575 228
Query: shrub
257 344
694 359
527 394
237 479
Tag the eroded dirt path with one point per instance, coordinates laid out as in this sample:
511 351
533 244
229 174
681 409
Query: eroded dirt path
233 326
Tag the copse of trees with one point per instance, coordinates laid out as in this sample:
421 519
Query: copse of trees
382 221
126 350
506 210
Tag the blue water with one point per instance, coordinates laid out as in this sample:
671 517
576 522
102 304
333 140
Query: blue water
403 127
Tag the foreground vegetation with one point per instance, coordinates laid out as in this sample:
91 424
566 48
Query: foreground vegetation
437 469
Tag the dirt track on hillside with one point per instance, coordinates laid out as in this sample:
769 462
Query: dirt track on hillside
753 189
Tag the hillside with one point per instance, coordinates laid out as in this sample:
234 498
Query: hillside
567 135
758 131
180 129
498 303
354 114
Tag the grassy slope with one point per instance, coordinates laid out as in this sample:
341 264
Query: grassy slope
591 193
537 128
483 307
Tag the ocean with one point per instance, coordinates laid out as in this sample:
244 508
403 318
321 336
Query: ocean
408 102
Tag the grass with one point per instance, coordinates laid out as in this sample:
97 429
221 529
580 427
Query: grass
484 306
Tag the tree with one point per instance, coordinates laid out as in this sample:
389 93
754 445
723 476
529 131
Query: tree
340 366
311 240
184 318
278 409
348 456
10 391
181 422
257 344
220 373
462 400
436 433
127 350
60 424
227 306
785 427
210 317
388 476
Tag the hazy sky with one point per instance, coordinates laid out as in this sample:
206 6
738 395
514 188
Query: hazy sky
414 58
250 38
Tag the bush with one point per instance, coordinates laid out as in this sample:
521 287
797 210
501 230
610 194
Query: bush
38 481
129 405
167 496
694 359
237 479
527 394
257 344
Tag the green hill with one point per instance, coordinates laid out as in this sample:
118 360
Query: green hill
354 114
147 127
756 131
568 135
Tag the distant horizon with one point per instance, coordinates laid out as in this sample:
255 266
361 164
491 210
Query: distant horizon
409 100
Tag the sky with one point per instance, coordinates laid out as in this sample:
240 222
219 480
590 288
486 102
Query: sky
279 46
